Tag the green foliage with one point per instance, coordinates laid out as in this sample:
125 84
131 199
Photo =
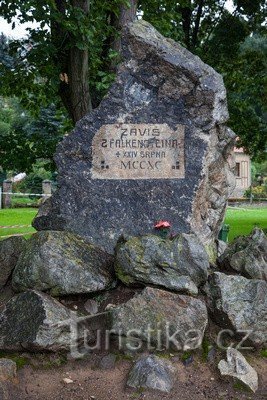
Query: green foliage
38 60
122 356
165 16
3 175
242 58
241 387
248 95
186 355
234 43
205 348
22 202
263 353
258 169
225 40
258 192
19 360
52 362
24 139
33 181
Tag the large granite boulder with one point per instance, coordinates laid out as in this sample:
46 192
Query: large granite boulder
152 372
180 264
239 304
34 321
62 263
247 255
10 250
156 148
161 318
238 368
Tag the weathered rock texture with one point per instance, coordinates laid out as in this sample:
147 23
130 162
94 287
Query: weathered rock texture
8 380
33 321
62 263
152 372
10 250
8 369
247 255
239 304
180 264
237 367
159 82
155 315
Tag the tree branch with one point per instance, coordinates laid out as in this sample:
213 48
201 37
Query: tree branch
197 24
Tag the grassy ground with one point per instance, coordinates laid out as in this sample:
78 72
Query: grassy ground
17 216
241 220
23 201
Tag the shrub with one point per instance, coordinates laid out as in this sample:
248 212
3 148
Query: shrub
258 192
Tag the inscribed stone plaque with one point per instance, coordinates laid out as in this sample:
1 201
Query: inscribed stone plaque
138 151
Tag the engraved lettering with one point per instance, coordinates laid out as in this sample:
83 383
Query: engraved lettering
123 133
138 151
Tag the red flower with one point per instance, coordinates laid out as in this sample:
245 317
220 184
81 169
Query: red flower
162 224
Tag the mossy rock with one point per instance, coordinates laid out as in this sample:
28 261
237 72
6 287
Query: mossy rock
180 264
63 263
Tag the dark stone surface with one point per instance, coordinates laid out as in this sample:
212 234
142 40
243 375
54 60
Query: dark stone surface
10 391
31 321
154 315
63 263
8 369
247 255
108 361
10 250
180 264
152 372
159 82
239 304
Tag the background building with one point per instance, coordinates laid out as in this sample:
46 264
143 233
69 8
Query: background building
242 172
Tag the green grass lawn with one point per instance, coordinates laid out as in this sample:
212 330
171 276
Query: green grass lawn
23 201
17 216
241 220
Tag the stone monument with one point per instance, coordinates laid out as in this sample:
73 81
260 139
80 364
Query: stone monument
156 148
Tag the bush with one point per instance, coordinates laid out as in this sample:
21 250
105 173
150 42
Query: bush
258 192
31 184
33 181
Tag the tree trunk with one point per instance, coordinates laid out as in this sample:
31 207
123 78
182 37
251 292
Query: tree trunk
186 13
73 67
79 83
197 24
73 63
127 15
79 74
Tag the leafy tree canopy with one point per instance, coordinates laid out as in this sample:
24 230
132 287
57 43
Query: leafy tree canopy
24 140
70 58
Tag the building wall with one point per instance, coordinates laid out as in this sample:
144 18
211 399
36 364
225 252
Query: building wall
242 174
